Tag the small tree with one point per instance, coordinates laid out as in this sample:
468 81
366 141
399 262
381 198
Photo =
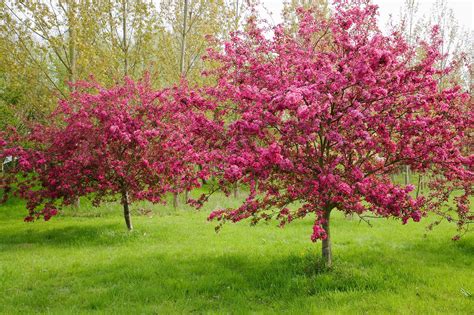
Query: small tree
128 141
326 115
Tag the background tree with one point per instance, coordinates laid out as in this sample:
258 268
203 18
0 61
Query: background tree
324 120
204 18
26 86
22 96
131 36
47 44
54 28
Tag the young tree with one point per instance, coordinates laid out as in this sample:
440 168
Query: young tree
324 118
187 24
130 37
129 142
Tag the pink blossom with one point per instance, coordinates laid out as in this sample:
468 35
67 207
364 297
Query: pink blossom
293 98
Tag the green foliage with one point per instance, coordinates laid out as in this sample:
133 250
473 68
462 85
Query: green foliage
43 45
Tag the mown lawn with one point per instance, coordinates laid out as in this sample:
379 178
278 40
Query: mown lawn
174 262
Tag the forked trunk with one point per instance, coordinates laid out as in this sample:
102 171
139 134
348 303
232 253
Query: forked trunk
326 246
126 210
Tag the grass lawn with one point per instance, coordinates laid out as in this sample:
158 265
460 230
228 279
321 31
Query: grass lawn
174 262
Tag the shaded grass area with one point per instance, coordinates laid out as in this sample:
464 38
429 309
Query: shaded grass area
174 262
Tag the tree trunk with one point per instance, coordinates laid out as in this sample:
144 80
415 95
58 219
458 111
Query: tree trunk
76 203
71 16
236 20
326 246
72 44
235 189
186 196
126 210
175 200
407 174
420 184
182 70
124 37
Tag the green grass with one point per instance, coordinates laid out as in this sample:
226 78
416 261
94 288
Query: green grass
85 261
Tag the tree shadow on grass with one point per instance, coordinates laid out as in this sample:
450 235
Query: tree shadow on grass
224 283
69 236
250 282
227 282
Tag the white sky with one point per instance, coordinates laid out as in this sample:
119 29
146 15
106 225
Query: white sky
463 10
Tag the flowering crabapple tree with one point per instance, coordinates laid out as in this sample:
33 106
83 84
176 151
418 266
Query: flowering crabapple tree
128 142
325 116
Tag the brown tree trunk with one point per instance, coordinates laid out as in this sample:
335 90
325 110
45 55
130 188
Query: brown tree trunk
124 37
126 210
235 189
76 203
407 174
175 200
419 186
326 246
186 196
182 70
72 50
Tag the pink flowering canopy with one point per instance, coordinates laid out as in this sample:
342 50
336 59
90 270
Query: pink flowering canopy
325 116
129 140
